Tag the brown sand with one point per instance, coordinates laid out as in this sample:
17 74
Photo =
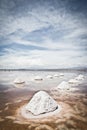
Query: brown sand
73 115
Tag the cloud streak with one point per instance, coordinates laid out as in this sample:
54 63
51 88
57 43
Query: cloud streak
32 31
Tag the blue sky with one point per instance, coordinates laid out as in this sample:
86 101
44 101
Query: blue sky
43 33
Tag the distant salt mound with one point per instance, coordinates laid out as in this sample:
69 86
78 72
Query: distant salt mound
61 74
38 78
41 103
56 75
49 76
76 80
80 77
73 81
19 81
64 86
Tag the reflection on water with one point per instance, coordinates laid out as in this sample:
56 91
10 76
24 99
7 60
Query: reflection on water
7 78
12 96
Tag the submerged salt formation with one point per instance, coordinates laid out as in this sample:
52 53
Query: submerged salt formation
41 103
19 81
64 85
38 78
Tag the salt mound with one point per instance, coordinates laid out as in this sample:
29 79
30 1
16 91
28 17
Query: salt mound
38 78
64 85
80 77
56 75
76 80
19 81
72 81
41 103
61 74
49 76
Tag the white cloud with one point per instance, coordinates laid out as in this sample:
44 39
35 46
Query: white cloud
42 59
15 61
64 51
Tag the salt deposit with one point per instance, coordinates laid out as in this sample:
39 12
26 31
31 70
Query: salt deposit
41 103
49 76
61 74
73 81
76 80
63 85
80 77
56 75
19 81
38 78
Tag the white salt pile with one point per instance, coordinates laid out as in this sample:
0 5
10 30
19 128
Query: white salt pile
19 81
80 77
61 74
76 80
63 86
56 75
49 76
73 81
41 103
38 78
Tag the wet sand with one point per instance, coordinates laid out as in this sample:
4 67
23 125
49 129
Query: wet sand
73 115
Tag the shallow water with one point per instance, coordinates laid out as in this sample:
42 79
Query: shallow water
12 97
7 79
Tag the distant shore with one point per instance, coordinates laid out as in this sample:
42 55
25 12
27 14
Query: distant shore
59 69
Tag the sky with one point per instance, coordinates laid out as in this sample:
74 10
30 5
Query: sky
43 33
